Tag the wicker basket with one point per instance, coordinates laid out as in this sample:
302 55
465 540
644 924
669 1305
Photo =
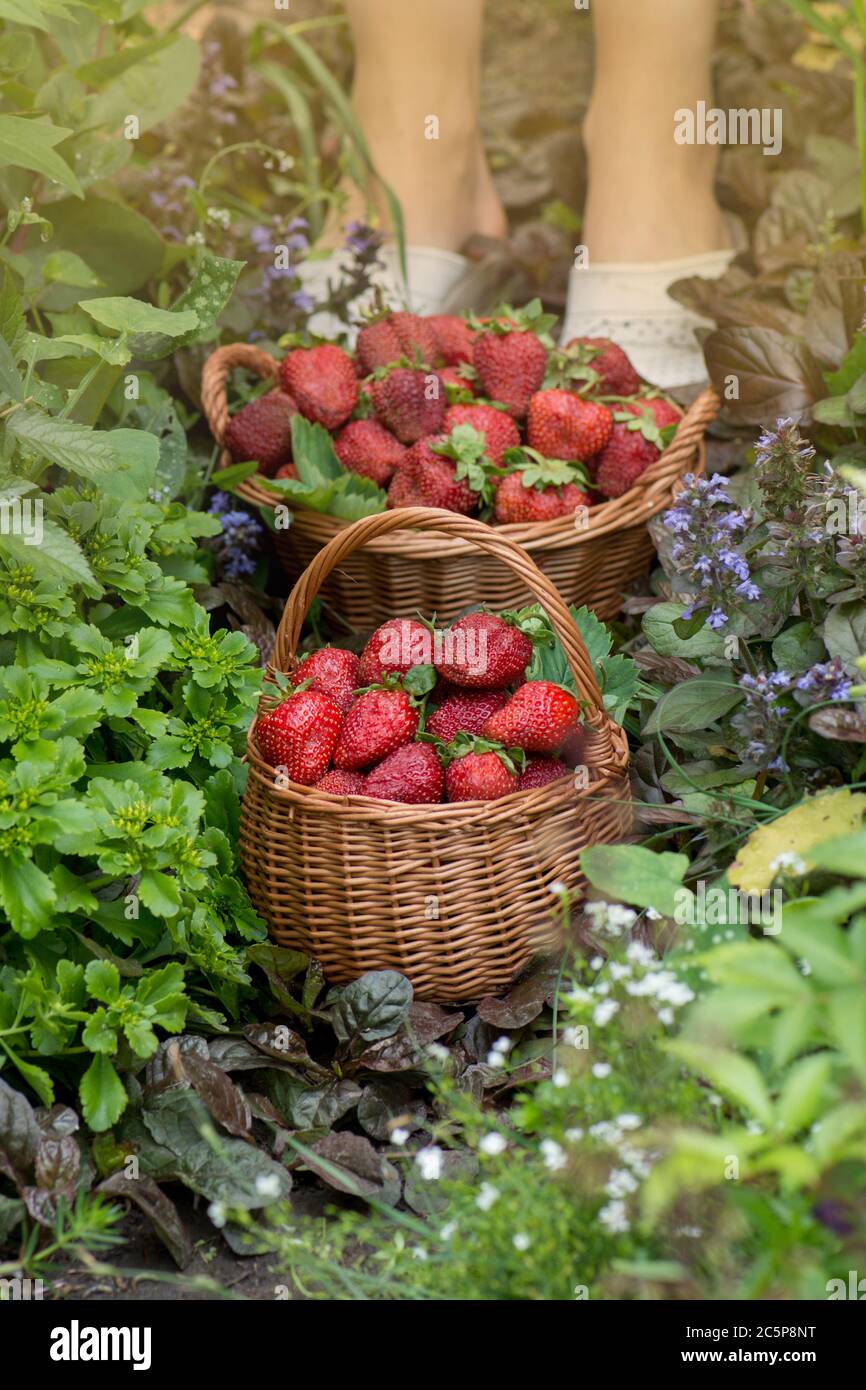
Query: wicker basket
457 897
400 575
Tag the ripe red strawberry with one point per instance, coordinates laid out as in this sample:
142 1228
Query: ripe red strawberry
538 717
412 774
453 338
301 734
515 501
498 429
394 649
395 336
262 430
561 425
377 723
332 670
462 386
323 382
617 376
466 712
409 403
539 771
364 447
510 364
288 470
482 652
479 777
342 783
428 479
630 451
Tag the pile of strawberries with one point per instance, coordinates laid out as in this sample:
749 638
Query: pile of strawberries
476 416
424 716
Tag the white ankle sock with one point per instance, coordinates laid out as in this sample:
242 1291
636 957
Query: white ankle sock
629 303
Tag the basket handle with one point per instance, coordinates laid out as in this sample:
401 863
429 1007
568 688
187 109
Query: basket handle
451 524
218 369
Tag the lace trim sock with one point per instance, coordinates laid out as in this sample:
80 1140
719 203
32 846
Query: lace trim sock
629 303
433 275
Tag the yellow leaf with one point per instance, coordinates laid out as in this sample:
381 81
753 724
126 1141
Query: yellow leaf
816 819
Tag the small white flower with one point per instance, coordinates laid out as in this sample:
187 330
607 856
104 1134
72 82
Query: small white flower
620 1183
285 163
606 1131
636 1160
217 1213
448 1230
493 1143
690 1232
495 1059
753 1127
640 954
572 1037
554 1155
629 1121
195 239
596 963
805 967
601 1070
792 862
579 996
574 1135
268 1185
560 1077
557 888
437 1052
486 1196
601 987
520 1241
713 1098
502 1044
619 970
666 1016
652 915
604 1012
418 1252
614 1218
429 1161
399 1136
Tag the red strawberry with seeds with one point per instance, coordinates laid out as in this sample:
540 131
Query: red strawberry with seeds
367 448
262 430
617 376
332 670
378 722
453 338
497 429
429 479
479 777
510 367
412 774
288 470
541 771
562 425
538 717
481 651
517 500
465 712
396 335
635 443
341 783
301 735
394 649
409 403
322 380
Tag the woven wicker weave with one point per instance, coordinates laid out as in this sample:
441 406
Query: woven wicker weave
457 897
399 575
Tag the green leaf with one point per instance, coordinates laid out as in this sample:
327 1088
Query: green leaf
127 316
658 627
735 1077
118 244
152 88
372 1007
103 981
66 268
159 893
835 410
847 1014
103 1099
77 448
633 874
29 144
693 705
27 894
803 1093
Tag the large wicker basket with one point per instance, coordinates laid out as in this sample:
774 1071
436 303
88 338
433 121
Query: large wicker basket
402 574
457 897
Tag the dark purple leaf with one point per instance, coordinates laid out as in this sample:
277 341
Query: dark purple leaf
349 1163
159 1210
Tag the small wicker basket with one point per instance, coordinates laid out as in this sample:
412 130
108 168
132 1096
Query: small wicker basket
399 575
457 897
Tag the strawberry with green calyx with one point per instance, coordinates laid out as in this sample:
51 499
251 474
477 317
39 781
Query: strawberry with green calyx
538 717
477 769
300 734
510 355
428 478
496 427
540 489
483 652
467 448
459 383
378 722
393 336
605 360
395 647
642 430
412 774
